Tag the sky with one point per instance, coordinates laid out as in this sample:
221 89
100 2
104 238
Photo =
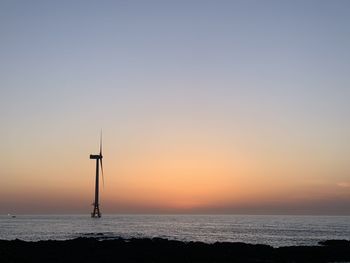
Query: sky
230 107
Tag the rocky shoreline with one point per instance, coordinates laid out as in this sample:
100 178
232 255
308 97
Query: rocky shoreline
164 250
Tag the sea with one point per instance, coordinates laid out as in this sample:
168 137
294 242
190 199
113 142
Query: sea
273 230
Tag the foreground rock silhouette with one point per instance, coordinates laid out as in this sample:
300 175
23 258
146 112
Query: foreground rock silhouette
163 250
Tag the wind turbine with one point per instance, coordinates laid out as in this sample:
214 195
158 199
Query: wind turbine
98 157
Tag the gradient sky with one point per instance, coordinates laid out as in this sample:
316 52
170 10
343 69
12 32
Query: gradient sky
205 106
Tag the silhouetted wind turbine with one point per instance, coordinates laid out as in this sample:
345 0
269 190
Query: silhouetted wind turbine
98 157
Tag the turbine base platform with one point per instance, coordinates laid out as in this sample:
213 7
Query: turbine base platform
96 213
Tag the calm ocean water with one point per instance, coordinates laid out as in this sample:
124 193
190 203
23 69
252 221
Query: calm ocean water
272 230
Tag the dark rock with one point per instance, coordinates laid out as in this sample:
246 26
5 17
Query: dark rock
164 250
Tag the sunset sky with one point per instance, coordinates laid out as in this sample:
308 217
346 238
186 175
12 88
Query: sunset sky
205 106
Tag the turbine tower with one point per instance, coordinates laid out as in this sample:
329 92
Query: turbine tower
98 157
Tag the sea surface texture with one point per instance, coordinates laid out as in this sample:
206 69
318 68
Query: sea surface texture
272 230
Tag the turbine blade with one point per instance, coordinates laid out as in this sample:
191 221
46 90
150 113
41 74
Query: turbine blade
103 179
101 143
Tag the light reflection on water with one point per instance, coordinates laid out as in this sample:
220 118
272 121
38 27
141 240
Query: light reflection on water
272 230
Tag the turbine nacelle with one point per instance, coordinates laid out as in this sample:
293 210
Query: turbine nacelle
96 156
